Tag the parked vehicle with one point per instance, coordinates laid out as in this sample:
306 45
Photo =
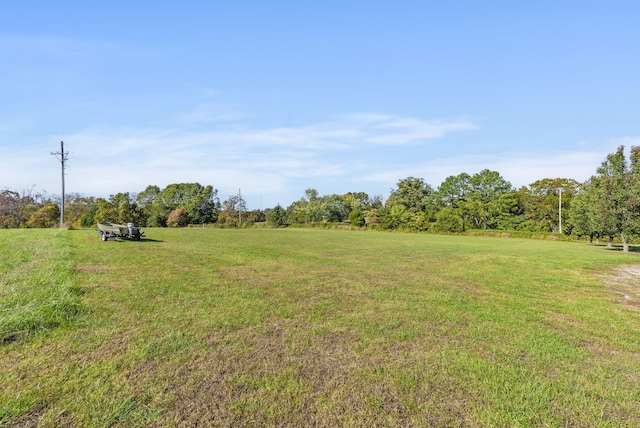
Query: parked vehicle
109 231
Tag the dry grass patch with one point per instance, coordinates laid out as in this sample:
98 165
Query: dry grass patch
624 281
91 268
287 373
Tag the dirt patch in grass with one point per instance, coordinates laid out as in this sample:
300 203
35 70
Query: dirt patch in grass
91 268
289 373
14 336
260 375
624 281
248 275
31 419
116 345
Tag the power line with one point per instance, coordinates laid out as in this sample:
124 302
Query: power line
62 156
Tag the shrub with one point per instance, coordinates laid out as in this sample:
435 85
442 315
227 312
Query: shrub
356 218
47 216
178 218
449 220
277 216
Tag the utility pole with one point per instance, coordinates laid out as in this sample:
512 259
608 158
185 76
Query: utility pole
62 157
239 207
560 210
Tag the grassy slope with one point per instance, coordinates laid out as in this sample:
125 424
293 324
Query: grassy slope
302 327
37 286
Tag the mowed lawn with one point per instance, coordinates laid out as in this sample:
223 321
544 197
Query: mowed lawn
293 327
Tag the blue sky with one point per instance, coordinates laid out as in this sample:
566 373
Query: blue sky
276 97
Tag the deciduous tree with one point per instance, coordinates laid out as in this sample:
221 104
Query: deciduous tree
178 218
46 216
234 209
490 199
582 212
541 203
616 193
17 207
277 216
414 194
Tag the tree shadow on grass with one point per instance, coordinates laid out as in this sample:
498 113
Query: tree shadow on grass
141 241
632 248
149 240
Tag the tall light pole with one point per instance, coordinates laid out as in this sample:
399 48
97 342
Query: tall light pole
62 157
560 209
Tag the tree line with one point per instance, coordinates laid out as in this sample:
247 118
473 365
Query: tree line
605 206
463 202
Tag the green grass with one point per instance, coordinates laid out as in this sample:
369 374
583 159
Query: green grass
38 290
282 327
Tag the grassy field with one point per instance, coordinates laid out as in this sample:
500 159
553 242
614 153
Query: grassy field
272 327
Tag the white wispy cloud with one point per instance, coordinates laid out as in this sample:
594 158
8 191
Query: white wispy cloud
380 129
396 130
341 133
211 113
282 161
107 160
